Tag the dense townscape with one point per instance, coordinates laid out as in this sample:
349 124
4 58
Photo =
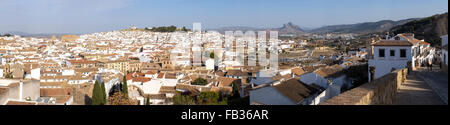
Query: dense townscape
142 67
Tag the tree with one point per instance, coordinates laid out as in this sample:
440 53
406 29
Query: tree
104 92
147 102
200 81
210 98
211 55
236 93
180 99
119 98
125 86
184 29
97 96
7 35
9 76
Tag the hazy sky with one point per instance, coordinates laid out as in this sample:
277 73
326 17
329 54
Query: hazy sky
86 16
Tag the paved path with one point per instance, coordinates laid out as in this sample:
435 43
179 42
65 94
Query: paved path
415 91
437 80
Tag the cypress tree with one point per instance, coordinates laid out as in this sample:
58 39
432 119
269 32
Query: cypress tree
125 86
97 94
235 90
148 101
103 93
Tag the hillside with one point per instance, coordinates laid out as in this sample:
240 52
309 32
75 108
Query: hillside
362 28
237 28
289 28
430 28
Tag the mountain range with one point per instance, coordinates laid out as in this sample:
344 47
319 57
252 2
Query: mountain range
435 24
359 28
430 29
39 35
362 28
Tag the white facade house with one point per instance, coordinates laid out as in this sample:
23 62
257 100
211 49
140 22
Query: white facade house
68 72
420 49
322 77
210 64
1 74
444 55
36 73
333 90
269 96
289 92
389 55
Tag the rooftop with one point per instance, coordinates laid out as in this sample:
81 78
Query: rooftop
392 43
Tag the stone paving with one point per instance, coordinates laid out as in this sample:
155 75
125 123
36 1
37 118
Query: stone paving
417 91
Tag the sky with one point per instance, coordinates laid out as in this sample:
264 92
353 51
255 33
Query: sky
88 16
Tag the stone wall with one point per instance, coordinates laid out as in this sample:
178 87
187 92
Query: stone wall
381 91
82 95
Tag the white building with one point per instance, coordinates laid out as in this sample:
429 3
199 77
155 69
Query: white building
210 64
1 74
290 92
68 72
36 73
420 49
444 55
389 55
323 77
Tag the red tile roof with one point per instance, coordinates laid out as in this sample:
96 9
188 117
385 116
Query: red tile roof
392 43
141 79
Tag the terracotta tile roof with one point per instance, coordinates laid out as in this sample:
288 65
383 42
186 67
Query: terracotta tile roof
312 68
53 83
220 73
171 76
167 89
141 79
193 88
20 103
223 81
295 90
412 40
298 71
225 90
82 62
161 75
280 77
83 70
151 72
392 43
53 92
330 71
235 73
134 75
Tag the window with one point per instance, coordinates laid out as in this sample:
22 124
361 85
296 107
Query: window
403 53
381 53
392 53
